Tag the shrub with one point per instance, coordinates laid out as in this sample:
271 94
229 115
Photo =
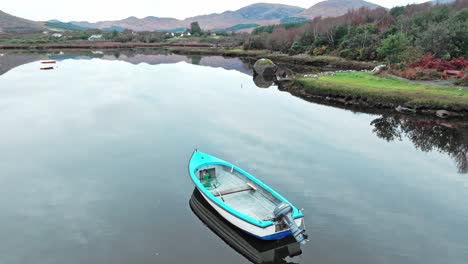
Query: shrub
463 81
429 62
417 73
296 48
393 47
334 53
319 51
345 53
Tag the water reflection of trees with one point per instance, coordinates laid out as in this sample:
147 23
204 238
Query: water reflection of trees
427 135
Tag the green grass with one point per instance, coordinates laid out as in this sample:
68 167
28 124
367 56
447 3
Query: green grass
65 26
173 30
289 20
241 26
386 89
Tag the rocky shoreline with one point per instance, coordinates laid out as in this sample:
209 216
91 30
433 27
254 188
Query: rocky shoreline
196 48
316 61
363 103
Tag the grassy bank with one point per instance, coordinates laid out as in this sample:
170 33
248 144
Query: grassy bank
385 90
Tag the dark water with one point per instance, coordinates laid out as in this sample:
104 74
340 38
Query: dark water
93 165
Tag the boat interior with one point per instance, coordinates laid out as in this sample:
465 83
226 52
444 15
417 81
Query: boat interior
237 191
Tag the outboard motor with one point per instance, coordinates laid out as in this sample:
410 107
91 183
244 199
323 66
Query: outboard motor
283 212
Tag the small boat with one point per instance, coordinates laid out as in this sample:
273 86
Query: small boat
47 68
255 250
49 62
244 201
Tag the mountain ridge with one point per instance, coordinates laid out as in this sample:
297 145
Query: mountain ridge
10 22
258 13
332 8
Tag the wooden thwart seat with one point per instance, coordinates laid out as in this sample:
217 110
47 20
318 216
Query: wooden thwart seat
233 190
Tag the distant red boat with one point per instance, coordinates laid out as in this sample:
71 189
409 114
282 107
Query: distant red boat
49 62
47 68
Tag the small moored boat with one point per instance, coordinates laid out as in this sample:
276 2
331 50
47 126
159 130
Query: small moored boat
256 250
49 62
245 201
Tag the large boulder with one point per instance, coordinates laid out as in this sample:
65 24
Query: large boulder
265 67
264 81
379 68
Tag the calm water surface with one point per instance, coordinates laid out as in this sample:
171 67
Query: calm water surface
93 165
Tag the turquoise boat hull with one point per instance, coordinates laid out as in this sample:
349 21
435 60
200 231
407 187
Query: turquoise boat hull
239 197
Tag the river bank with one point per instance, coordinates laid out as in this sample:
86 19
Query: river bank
317 61
99 45
356 89
197 48
363 89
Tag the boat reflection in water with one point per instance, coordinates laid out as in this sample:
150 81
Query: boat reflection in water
255 250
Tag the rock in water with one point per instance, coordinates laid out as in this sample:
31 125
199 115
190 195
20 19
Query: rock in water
264 81
265 67
446 114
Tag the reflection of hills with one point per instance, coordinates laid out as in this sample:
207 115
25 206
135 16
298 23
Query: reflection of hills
137 56
210 61
427 135
151 57
255 250
10 61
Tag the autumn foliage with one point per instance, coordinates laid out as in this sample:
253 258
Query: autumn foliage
429 62
400 35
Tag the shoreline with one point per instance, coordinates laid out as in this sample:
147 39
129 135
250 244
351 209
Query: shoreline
425 100
305 60
359 96
98 45
193 48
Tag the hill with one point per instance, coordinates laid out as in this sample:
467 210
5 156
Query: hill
442 1
64 26
255 14
13 23
333 8
261 13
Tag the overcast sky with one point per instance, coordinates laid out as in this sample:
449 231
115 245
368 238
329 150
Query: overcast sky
97 10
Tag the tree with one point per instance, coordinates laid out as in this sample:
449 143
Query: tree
279 39
436 39
115 34
361 42
393 47
397 11
195 28
458 27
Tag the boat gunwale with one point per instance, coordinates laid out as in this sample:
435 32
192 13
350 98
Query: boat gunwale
217 161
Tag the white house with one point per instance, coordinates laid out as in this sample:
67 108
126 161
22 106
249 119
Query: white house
172 34
56 35
188 34
95 37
